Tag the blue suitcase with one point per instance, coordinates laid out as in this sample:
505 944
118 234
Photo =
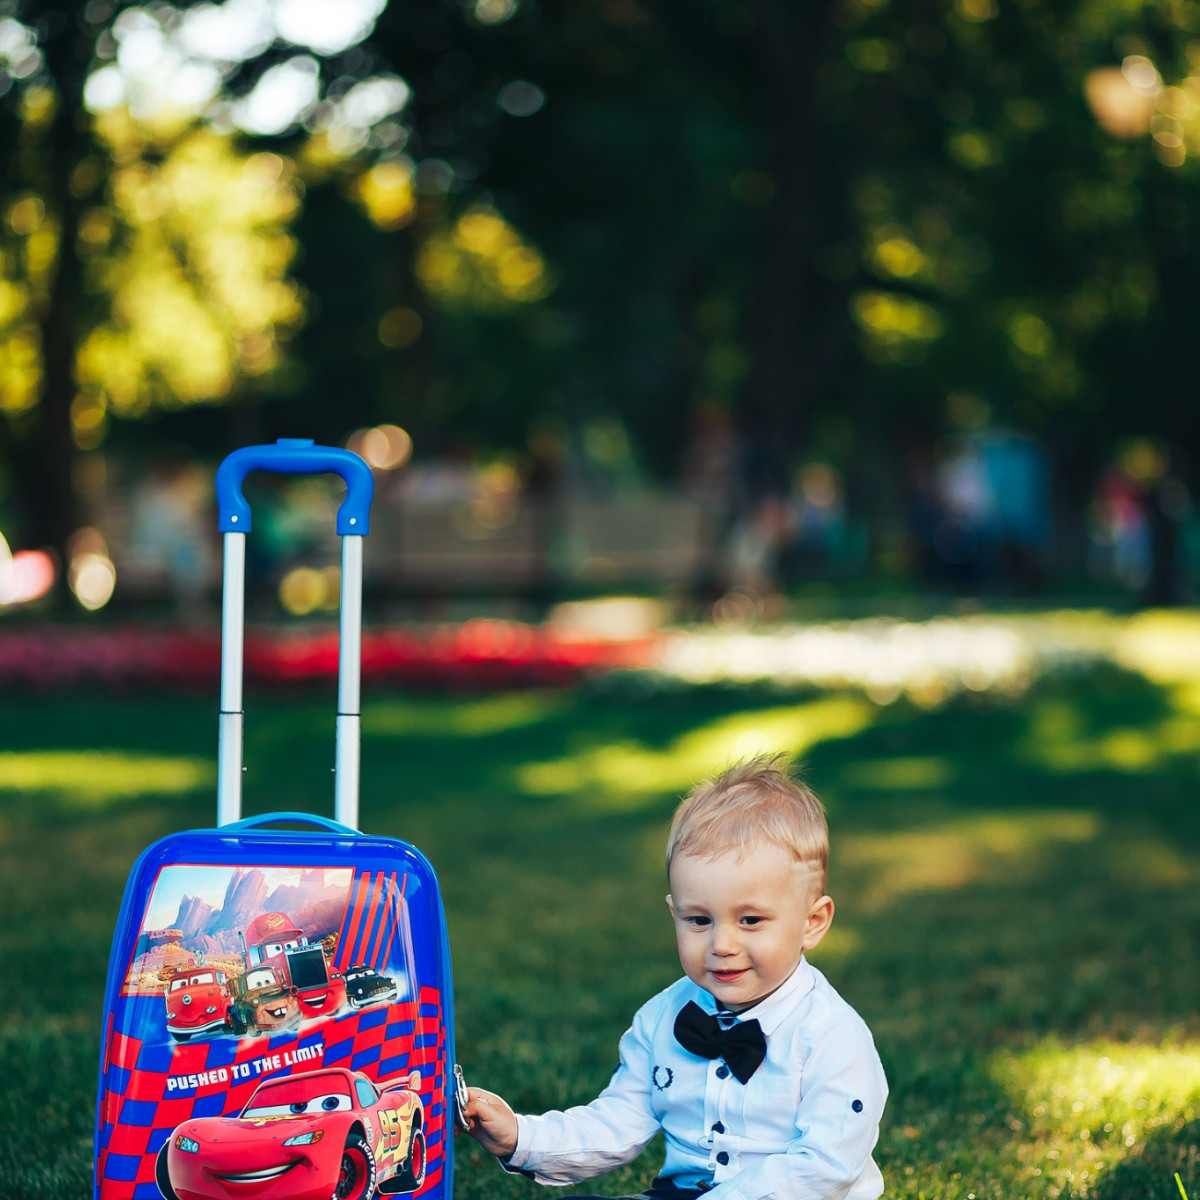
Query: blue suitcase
279 1017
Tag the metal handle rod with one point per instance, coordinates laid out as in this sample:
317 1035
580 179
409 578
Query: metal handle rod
349 718
233 636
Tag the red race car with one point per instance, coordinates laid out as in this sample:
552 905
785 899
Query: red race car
198 1002
320 1134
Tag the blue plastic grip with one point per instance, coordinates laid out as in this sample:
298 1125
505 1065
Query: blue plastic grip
295 456
299 817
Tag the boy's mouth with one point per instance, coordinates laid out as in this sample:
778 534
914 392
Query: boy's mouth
728 976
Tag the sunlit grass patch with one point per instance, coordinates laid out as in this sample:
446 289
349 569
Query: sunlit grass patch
929 660
932 661
976 848
1141 861
1093 1107
841 942
625 772
898 774
1162 645
94 777
466 718
1060 741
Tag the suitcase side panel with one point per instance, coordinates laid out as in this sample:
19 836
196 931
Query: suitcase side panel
243 961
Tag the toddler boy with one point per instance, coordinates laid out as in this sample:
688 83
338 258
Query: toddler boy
764 1080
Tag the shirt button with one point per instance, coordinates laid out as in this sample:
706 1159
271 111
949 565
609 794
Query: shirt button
722 1072
723 1158
718 1128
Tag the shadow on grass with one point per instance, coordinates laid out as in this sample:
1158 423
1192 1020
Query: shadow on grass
1149 1174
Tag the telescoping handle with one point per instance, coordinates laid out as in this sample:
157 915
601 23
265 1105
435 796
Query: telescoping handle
291 456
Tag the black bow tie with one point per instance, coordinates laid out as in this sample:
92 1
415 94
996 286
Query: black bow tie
743 1046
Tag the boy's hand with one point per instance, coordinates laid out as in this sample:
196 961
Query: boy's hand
492 1123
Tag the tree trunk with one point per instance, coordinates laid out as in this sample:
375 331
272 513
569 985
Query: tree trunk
56 511
54 505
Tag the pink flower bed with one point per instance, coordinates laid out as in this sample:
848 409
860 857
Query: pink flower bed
477 654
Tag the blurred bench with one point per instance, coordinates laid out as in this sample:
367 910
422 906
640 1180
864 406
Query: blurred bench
650 540
653 539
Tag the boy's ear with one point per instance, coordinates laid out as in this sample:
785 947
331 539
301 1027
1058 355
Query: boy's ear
820 917
670 904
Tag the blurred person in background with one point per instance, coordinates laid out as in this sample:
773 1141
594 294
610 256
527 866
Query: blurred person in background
170 534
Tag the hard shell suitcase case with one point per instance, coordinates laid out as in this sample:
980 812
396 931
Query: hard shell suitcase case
279 1018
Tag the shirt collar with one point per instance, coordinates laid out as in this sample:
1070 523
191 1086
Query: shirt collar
770 1011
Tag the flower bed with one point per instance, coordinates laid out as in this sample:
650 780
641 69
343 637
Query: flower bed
474 655
927 661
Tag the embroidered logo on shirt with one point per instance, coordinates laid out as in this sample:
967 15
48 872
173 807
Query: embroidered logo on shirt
667 1076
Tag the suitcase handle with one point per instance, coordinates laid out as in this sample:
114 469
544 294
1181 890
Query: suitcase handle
299 817
294 456
291 456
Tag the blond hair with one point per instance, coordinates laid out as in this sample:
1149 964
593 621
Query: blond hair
752 801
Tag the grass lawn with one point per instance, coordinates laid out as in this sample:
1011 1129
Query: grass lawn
1016 879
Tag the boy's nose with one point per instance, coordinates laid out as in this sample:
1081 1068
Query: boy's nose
724 942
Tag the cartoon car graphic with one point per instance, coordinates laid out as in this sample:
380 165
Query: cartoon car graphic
365 987
199 1001
312 1136
264 1002
273 940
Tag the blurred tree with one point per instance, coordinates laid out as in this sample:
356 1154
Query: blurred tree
45 57
102 268
147 267
190 255
852 224
1017 257
622 139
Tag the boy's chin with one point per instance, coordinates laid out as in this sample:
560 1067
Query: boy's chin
734 994
743 990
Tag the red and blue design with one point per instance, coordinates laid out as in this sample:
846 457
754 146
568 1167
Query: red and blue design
373 919
152 1088
152 1083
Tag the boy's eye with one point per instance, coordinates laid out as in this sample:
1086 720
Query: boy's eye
752 920
699 922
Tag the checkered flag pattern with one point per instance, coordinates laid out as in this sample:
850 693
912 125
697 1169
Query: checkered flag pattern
152 1088
152 1085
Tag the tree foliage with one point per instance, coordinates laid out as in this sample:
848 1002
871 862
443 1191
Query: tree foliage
850 224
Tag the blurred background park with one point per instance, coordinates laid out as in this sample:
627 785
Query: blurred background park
737 375
887 296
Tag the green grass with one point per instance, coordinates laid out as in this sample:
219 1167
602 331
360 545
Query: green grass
1017 888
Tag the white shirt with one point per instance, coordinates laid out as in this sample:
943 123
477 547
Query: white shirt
802 1128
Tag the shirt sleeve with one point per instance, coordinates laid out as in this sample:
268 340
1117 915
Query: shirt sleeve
843 1093
565 1147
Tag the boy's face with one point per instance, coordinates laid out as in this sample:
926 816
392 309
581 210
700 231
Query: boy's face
742 923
